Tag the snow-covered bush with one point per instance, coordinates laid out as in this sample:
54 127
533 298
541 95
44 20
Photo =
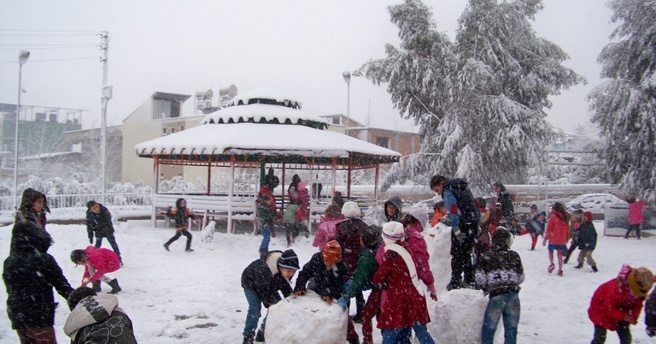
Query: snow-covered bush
306 319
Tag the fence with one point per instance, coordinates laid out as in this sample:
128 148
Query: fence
80 200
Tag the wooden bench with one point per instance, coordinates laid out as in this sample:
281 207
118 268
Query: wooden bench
209 207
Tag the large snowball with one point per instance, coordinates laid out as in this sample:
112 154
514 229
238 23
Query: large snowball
458 318
439 250
306 319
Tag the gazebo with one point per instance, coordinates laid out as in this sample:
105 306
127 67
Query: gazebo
256 129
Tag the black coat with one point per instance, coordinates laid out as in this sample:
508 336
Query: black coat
507 208
99 224
97 319
499 271
650 310
327 282
29 277
28 234
348 235
258 276
587 237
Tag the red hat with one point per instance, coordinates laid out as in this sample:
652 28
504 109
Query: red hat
587 216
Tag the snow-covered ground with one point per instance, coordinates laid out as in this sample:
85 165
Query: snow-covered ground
179 297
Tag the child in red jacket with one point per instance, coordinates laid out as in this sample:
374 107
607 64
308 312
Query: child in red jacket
97 262
617 303
557 235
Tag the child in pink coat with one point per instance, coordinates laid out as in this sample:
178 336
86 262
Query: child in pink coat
327 226
97 262
636 218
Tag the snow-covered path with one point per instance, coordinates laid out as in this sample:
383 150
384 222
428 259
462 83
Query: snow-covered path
179 297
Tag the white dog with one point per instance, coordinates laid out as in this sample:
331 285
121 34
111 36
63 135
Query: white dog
207 234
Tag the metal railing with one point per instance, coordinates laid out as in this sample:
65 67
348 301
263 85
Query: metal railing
80 200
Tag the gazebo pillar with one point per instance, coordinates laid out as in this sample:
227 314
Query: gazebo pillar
376 176
153 215
209 178
348 181
333 166
310 202
231 189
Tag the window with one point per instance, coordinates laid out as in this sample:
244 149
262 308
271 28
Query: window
163 131
383 141
165 108
335 120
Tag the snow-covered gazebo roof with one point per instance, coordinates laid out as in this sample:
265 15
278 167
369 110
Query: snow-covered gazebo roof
262 126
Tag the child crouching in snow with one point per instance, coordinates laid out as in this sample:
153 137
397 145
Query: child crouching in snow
97 319
329 274
97 262
499 273
262 280
403 304
587 241
616 304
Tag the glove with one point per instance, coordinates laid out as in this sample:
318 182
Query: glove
651 331
347 285
342 302
433 293
90 241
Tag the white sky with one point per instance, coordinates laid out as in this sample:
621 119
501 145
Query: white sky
299 48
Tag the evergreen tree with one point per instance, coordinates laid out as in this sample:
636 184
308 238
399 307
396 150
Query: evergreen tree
479 101
625 104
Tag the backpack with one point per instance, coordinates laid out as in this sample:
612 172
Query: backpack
469 212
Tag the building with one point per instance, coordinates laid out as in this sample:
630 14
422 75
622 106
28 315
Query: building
404 142
159 115
86 143
40 129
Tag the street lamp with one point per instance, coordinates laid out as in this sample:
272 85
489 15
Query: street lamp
347 79
23 56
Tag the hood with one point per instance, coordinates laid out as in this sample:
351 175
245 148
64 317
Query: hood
396 202
29 196
502 239
90 310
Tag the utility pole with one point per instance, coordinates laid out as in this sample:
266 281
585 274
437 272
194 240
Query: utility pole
106 95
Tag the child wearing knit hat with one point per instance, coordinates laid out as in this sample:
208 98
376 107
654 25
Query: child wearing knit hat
263 280
617 303
405 305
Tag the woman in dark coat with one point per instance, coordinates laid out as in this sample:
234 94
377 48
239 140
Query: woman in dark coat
32 210
30 274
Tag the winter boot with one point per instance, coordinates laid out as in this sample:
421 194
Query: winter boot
594 268
115 287
166 247
578 266
560 273
248 340
259 337
96 286
453 285
551 268
354 341
189 249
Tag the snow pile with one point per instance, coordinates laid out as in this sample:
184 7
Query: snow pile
440 258
458 318
305 319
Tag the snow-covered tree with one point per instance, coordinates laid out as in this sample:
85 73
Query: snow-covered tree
625 103
479 101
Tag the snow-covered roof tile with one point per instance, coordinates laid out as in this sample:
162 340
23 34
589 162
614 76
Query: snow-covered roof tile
259 138
257 112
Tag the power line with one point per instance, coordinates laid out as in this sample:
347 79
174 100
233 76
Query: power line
62 59
53 31
81 46
54 45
